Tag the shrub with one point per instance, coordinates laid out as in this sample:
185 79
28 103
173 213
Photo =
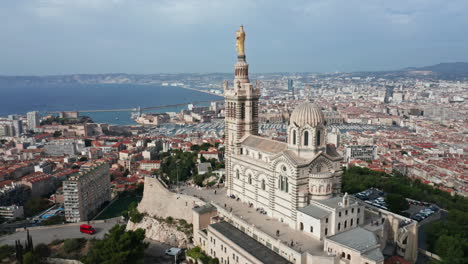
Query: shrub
169 220
42 251
6 251
74 244
56 242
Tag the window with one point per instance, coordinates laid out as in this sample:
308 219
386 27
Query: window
343 255
294 137
237 174
242 111
339 226
357 221
339 214
358 210
263 184
306 138
352 211
349 256
259 156
351 224
318 138
346 212
301 226
250 179
345 223
326 220
326 231
311 229
283 184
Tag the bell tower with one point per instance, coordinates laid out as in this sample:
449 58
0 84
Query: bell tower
241 107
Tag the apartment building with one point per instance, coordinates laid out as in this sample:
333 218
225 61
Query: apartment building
86 191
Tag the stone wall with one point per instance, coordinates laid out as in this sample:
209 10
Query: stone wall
160 231
160 202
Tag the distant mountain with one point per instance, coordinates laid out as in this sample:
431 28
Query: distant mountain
447 67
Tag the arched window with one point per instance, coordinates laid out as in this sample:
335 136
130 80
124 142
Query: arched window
294 137
343 255
242 111
306 138
283 184
318 138
349 256
250 179
263 184
301 226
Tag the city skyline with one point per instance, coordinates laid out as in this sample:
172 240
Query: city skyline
92 36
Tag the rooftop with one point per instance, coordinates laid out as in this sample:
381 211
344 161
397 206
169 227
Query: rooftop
264 223
259 251
314 211
358 239
264 144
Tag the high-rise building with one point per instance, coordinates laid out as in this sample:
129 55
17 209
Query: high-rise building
86 191
17 127
6 130
33 119
290 85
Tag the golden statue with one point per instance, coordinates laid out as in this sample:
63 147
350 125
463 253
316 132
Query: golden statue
240 41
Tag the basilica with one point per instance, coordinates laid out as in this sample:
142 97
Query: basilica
281 178
296 187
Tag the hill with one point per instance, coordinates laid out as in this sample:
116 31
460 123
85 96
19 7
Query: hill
447 67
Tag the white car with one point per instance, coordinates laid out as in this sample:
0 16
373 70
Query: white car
173 251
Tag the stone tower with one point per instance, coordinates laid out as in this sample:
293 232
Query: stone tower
241 107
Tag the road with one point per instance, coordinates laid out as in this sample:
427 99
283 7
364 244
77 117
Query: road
49 234
153 254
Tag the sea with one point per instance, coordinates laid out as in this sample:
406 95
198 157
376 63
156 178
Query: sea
20 99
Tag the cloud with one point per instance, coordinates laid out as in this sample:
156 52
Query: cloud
51 36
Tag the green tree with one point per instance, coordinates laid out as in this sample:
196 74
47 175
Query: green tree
450 249
36 205
30 258
6 251
57 133
118 247
396 203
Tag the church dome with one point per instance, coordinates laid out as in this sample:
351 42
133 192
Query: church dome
307 114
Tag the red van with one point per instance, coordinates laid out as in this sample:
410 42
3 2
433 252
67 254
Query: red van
87 229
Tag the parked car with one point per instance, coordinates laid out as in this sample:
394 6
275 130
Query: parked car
173 251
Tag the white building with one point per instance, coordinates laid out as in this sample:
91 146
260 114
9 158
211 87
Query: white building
85 192
11 212
32 119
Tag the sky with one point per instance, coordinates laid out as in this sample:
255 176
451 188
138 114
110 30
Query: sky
49 37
